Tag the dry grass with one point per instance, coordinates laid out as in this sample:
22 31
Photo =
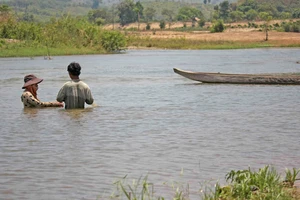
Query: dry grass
276 38
155 25
243 35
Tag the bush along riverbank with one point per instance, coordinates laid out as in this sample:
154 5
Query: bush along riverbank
63 36
266 183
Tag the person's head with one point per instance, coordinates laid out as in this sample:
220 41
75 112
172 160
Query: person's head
74 69
31 84
31 81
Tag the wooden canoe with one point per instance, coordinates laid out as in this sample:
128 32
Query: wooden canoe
205 77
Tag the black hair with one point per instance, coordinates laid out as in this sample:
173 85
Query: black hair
74 68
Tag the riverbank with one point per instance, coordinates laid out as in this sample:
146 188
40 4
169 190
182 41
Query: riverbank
236 36
232 38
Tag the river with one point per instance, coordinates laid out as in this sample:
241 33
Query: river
147 121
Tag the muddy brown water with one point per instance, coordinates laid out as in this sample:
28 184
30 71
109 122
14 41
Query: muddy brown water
148 121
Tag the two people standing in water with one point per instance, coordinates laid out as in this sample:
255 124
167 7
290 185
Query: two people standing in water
73 94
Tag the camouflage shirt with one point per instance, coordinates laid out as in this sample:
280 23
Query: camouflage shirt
30 101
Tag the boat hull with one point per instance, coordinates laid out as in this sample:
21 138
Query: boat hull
285 78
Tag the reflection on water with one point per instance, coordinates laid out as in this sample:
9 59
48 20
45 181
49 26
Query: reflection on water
148 120
31 112
79 113
72 113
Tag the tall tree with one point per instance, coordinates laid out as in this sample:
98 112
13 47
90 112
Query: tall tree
149 13
251 14
267 18
138 9
4 9
5 13
96 4
236 16
224 10
269 8
188 13
98 15
169 15
296 13
126 12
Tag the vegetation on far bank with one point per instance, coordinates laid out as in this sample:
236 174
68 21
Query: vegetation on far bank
60 36
71 34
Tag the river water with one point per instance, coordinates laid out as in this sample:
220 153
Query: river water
148 121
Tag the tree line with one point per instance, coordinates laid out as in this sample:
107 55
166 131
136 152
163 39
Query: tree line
128 11
250 10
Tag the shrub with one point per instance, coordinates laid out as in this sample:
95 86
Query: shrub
113 41
201 23
276 25
286 28
148 26
291 26
296 27
218 26
100 21
162 24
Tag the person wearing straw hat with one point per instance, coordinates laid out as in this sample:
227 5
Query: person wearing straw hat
29 96
75 93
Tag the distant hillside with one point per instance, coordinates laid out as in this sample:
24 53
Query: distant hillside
42 10
88 3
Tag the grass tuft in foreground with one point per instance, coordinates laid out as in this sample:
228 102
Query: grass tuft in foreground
265 184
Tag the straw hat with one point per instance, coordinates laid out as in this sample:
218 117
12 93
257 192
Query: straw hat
31 80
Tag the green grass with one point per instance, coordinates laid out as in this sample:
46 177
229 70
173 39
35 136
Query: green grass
18 49
264 184
291 176
21 50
